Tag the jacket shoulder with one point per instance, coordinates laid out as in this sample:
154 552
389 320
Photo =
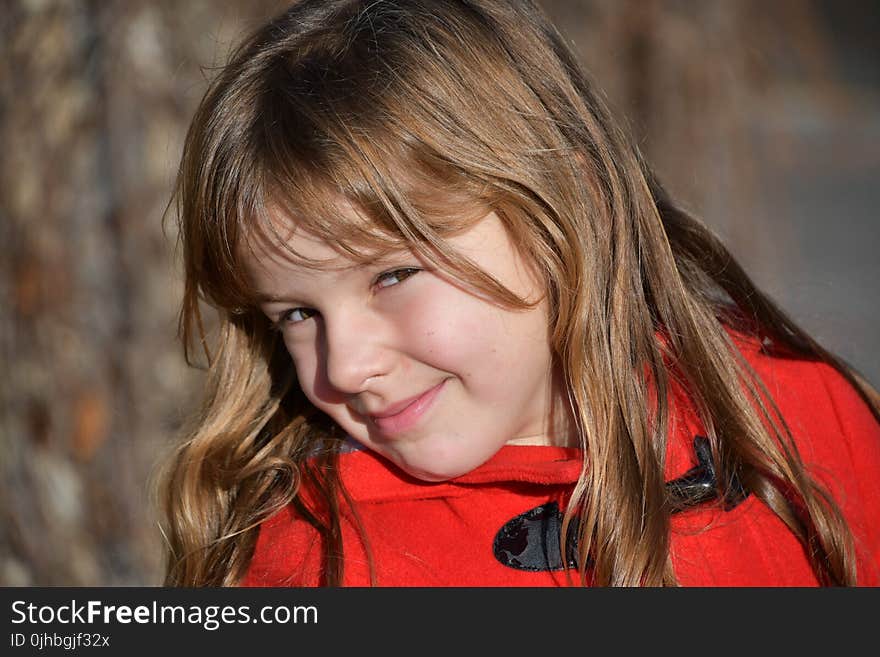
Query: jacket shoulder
837 436
813 395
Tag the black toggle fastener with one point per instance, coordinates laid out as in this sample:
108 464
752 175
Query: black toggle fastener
531 540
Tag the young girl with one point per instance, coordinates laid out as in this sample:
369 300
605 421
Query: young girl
466 338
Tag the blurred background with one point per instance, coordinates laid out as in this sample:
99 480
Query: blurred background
763 117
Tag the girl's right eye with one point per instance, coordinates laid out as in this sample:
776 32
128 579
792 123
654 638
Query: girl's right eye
295 315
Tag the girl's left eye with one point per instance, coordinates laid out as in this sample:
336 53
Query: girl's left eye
395 276
296 315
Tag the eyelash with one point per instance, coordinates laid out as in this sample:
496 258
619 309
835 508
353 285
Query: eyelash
401 273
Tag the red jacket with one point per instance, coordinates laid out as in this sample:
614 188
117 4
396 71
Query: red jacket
482 529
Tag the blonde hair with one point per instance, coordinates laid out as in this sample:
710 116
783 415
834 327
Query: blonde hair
422 115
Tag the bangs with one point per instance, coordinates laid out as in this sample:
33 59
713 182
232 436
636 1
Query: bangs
331 141
365 194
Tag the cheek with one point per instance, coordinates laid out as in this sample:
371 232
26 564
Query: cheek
455 331
437 315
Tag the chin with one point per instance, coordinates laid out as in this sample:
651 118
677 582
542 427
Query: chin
438 470
433 476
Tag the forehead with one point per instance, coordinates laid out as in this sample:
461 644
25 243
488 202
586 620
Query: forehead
295 248
342 232
283 248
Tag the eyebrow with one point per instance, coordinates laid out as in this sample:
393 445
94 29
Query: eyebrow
262 298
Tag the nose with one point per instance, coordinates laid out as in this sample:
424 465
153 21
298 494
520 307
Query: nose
355 350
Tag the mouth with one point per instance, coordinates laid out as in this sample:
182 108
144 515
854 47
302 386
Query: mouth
407 417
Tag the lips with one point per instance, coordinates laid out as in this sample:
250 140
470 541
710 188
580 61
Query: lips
405 414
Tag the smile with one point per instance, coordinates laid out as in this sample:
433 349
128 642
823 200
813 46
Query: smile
407 418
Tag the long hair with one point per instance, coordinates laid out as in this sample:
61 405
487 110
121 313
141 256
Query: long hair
423 115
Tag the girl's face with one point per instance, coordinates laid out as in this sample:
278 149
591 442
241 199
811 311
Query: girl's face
410 364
